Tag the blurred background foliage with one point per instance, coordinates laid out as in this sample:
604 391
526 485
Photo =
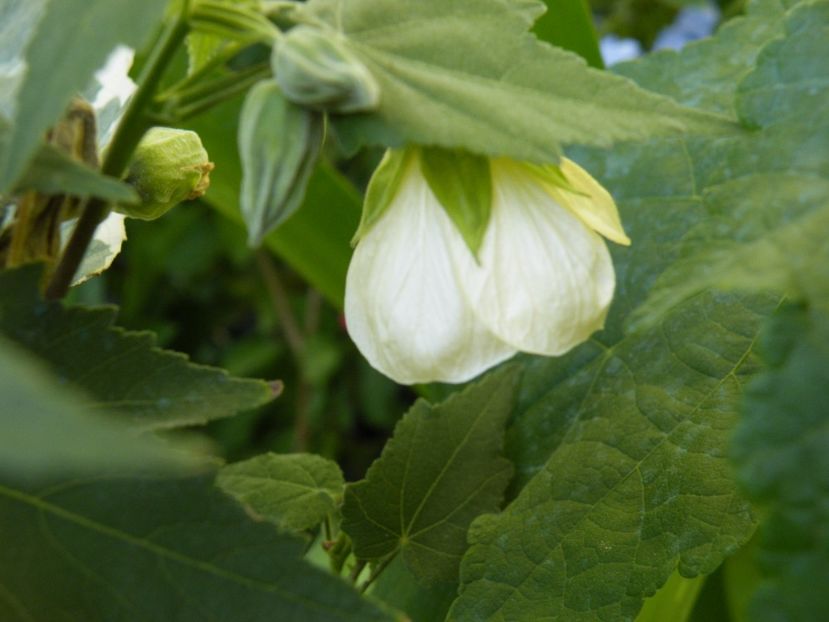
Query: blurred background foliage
190 278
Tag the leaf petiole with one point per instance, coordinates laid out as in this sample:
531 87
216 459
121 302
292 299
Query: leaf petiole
378 570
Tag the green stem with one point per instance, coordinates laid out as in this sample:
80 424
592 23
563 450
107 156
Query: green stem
326 527
132 127
189 82
377 571
339 552
358 568
224 89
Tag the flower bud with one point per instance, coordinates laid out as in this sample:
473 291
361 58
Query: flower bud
169 166
315 69
279 143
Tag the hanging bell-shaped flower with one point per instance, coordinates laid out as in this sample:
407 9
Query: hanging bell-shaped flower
421 307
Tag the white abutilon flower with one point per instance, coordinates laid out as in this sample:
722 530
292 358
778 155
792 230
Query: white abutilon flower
421 307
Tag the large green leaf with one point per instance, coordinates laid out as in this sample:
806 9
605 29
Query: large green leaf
315 241
440 470
46 431
295 491
146 549
621 445
771 214
466 74
711 68
781 451
71 40
627 474
121 372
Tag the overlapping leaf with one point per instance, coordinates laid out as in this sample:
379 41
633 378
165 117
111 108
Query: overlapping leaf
440 470
772 211
780 448
45 430
295 491
122 372
52 172
621 445
147 549
70 39
466 74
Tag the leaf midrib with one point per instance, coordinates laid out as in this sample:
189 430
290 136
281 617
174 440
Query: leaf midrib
160 551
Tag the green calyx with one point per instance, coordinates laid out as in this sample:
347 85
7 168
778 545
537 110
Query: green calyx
382 188
462 182
169 166
318 70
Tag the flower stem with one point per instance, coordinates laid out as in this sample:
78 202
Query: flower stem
132 127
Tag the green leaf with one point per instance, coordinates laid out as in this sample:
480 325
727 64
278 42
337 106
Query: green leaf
122 372
791 80
706 73
771 211
462 182
467 75
740 578
295 491
147 549
18 20
399 588
569 25
52 172
440 470
769 233
625 473
203 47
620 446
780 452
315 240
674 601
45 429
71 41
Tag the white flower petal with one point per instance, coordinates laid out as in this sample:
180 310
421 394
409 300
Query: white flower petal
404 306
545 280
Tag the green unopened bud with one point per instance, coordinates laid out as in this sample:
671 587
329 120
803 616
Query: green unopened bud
279 143
169 166
316 69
